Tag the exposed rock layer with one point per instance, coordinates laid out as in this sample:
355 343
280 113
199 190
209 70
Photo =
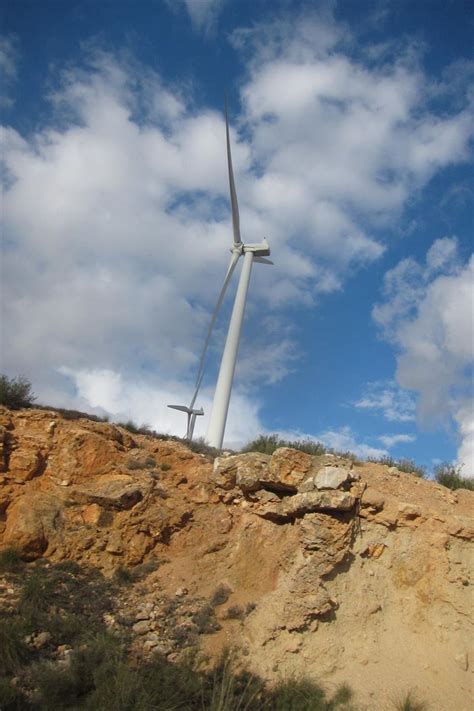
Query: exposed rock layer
348 573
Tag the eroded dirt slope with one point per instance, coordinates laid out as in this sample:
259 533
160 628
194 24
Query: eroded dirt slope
357 574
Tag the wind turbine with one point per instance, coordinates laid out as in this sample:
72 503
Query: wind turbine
192 414
251 253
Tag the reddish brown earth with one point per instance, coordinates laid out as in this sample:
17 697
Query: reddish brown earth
346 573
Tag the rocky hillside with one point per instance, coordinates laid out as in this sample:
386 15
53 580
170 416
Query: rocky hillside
305 565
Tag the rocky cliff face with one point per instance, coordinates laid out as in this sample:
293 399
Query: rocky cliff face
307 565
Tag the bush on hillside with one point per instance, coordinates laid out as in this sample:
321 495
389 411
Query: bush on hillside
16 392
267 444
449 475
403 465
200 446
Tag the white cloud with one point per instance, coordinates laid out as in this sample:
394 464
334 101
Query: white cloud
107 391
392 440
385 397
116 218
465 419
428 316
203 13
344 440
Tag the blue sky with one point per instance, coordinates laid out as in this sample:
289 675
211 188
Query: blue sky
352 130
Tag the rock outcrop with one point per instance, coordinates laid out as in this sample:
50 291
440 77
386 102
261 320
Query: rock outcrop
314 565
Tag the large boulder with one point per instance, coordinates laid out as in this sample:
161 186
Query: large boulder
246 471
283 471
332 478
32 520
301 504
112 491
27 462
288 468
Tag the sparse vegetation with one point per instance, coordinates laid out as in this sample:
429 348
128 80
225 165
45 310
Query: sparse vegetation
200 446
11 699
100 671
10 560
267 444
450 476
134 463
54 596
13 649
126 576
16 392
69 605
235 612
165 467
73 414
220 595
409 703
123 575
131 426
205 620
403 465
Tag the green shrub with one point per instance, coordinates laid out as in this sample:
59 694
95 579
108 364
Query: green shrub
68 566
200 446
37 594
13 649
11 699
403 465
123 575
306 695
173 686
130 426
141 570
74 414
205 620
267 444
134 464
235 612
16 392
220 595
226 690
165 467
10 560
409 703
52 596
62 687
450 476
409 466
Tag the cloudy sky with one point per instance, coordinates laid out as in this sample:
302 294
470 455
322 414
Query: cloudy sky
352 127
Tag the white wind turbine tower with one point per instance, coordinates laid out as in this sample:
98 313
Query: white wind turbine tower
251 253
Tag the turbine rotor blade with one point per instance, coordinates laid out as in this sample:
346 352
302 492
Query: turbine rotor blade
233 193
181 408
233 261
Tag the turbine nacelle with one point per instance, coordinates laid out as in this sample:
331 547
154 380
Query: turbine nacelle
259 250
